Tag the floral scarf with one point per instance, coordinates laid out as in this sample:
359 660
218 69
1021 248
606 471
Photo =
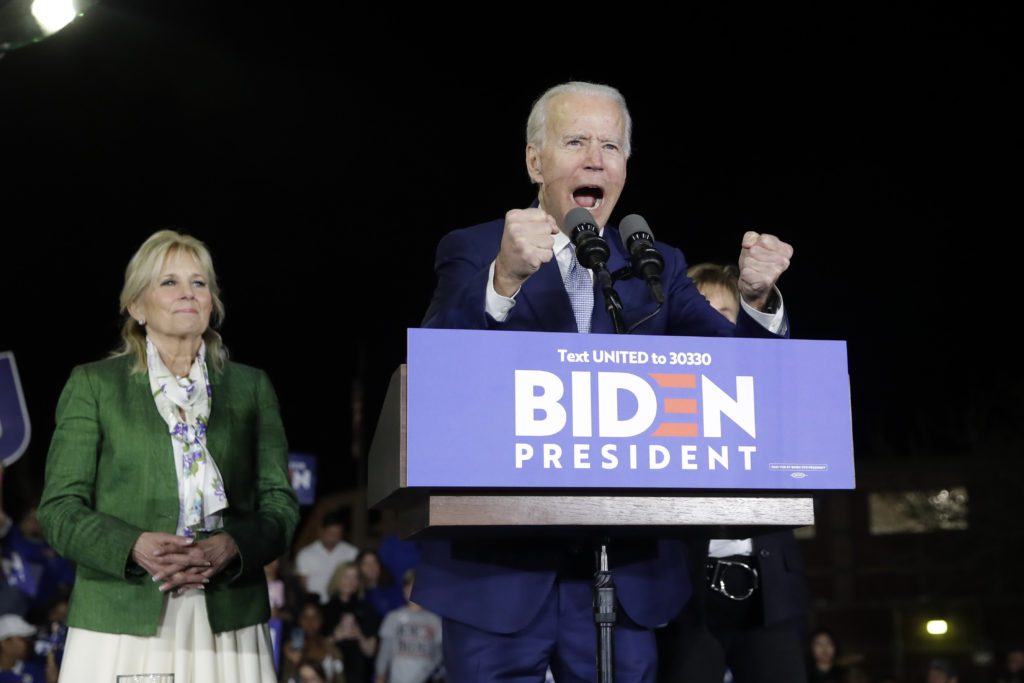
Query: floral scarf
201 494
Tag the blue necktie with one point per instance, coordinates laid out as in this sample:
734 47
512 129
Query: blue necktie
580 287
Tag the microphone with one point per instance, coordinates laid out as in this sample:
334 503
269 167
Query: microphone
647 262
591 250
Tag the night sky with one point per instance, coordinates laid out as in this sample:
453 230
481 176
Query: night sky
321 153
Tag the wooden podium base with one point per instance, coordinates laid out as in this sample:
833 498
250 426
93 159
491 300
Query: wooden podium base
451 514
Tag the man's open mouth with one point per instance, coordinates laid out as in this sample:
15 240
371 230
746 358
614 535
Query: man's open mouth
588 197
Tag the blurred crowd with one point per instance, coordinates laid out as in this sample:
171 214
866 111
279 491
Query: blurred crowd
341 614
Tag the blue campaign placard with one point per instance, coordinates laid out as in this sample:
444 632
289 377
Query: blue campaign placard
302 470
541 410
15 428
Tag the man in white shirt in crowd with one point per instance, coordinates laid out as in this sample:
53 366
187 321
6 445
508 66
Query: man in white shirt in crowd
316 562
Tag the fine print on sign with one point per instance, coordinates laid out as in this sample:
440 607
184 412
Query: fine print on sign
537 409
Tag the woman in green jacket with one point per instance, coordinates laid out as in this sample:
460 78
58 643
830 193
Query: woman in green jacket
167 484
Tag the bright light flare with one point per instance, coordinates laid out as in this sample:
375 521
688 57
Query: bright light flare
53 15
936 627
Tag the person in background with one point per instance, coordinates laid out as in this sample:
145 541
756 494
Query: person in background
1013 666
720 286
748 615
941 671
167 484
282 590
316 562
309 671
306 641
379 588
351 623
52 636
398 556
30 566
13 600
823 657
410 642
15 648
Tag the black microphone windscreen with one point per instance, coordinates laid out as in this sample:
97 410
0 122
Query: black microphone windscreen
631 227
577 217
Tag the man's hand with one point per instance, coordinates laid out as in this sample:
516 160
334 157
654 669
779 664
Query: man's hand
525 245
763 258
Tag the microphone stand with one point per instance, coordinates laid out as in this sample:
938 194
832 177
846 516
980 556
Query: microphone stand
604 616
592 252
612 302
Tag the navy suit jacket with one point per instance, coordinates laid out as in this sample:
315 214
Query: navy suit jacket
498 585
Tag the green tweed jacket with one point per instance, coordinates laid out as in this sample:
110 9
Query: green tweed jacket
110 476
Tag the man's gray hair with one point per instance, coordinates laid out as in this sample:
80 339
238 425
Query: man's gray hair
536 124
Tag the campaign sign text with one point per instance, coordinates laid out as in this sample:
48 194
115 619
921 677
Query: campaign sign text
302 470
540 409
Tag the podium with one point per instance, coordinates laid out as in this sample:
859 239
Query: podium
607 437
444 417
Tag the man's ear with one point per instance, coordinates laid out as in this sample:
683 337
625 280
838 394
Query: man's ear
533 165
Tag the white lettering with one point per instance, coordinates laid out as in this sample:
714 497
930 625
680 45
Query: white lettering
610 459
302 478
659 456
552 456
581 410
689 457
609 384
656 463
581 456
529 403
746 451
524 452
716 402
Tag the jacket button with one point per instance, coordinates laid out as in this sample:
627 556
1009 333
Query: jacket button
764 552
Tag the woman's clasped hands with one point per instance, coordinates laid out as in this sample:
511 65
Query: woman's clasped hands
178 562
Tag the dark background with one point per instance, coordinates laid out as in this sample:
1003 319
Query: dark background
321 153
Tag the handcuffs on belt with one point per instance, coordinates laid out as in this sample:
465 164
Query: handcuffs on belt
716 577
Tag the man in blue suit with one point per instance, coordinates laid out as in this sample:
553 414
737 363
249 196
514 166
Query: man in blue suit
512 609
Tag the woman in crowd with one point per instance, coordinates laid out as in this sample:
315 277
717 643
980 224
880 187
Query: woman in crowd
351 623
824 651
307 642
378 585
167 484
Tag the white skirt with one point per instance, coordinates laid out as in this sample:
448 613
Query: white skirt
184 646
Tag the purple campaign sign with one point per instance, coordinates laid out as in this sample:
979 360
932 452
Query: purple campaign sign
302 470
542 410
15 429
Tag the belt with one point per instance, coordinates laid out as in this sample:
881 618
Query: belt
735 577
